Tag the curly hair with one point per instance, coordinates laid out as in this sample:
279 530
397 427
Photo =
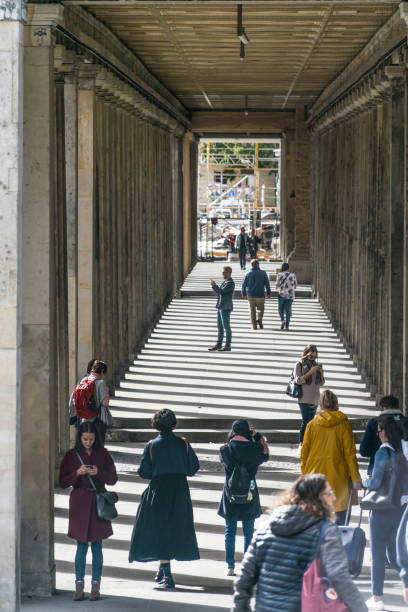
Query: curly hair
99 367
306 490
164 420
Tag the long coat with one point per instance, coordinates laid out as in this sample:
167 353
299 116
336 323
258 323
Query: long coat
84 523
329 448
250 454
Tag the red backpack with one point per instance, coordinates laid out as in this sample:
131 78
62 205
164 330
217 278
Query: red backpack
84 401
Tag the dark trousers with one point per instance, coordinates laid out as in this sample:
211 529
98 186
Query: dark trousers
383 535
308 413
242 260
101 430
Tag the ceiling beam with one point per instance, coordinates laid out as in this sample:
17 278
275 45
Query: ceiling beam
309 54
183 56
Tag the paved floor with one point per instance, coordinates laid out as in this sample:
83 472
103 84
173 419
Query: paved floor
208 391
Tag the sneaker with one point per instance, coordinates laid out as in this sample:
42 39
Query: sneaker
167 582
160 575
230 572
225 348
282 324
286 328
214 348
372 604
260 324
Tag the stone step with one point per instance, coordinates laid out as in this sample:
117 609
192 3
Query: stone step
125 434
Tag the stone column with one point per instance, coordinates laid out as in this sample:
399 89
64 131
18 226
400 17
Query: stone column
288 171
11 166
86 193
177 217
38 401
187 203
397 235
300 260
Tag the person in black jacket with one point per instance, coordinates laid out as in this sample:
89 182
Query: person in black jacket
389 406
164 526
250 449
282 549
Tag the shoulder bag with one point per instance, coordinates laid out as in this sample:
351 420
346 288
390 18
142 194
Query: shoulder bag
105 500
317 593
293 389
386 496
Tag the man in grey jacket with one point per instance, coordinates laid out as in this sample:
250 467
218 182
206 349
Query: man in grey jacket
225 293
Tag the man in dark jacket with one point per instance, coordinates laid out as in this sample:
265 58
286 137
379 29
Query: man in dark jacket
224 307
389 406
253 286
241 244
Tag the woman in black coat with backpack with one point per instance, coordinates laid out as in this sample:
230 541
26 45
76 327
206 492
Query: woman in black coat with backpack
240 498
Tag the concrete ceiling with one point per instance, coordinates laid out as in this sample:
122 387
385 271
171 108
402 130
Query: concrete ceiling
296 48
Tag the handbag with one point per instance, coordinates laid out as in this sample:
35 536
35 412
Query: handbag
317 593
293 389
105 500
386 497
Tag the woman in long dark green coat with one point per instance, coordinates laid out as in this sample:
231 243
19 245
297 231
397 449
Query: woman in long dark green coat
164 526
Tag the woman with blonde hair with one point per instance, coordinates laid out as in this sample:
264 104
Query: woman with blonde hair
329 448
309 374
282 549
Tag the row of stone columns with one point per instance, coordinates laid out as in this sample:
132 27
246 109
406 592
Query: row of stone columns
359 238
97 214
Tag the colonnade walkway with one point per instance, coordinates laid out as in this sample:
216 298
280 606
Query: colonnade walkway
208 391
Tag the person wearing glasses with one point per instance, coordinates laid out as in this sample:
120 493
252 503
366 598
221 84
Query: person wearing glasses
283 547
384 523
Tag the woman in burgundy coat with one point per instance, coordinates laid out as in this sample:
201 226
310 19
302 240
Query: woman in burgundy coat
84 524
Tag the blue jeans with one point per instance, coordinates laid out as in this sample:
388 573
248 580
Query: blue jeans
97 560
308 413
230 533
242 260
383 534
223 323
285 307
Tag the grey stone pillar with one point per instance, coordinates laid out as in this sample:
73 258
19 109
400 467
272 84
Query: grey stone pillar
300 259
11 166
38 400
397 233
288 171
86 194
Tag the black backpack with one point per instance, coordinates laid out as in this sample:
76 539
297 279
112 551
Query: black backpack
238 486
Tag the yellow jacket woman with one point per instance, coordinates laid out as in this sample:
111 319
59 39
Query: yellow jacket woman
329 448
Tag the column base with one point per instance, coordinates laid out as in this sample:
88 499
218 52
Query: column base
38 584
302 267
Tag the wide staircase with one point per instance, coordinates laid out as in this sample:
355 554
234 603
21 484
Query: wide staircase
208 391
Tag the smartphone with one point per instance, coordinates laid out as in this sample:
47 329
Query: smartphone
89 466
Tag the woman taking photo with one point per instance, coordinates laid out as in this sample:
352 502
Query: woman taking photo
87 458
384 523
282 549
164 526
329 448
309 374
247 448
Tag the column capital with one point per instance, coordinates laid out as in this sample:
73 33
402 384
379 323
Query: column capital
13 10
87 74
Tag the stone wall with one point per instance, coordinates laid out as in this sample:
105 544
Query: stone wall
359 238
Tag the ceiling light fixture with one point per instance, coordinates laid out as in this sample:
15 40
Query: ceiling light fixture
241 32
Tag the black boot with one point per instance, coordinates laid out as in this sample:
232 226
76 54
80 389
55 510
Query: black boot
167 582
160 574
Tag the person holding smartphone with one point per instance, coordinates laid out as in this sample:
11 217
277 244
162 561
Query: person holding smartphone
84 524
310 375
